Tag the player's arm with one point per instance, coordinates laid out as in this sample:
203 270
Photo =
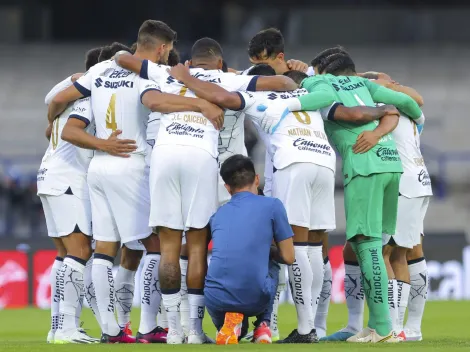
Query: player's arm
283 235
411 92
369 139
128 61
357 114
275 83
49 131
402 101
61 86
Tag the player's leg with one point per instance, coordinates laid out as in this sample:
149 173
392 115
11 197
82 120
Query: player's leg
90 295
387 250
184 309
124 285
292 186
325 293
364 199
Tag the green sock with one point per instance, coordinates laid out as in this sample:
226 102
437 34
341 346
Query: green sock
375 283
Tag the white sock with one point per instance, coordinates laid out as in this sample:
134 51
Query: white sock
150 295
315 256
354 297
184 308
324 301
418 294
72 269
403 296
90 290
103 281
281 286
196 310
393 304
55 292
124 285
172 302
78 311
300 277
162 319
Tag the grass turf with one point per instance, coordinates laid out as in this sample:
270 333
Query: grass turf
444 328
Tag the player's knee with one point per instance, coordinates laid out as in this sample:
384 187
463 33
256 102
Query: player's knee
348 253
130 259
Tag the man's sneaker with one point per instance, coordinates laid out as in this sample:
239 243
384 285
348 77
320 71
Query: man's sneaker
295 337
402 336
360 335
275 334
231 330
341 335
262 334
50 336
373 337
174 337
73 336
157 335
248 337
122 337
198 339
127 329
413 335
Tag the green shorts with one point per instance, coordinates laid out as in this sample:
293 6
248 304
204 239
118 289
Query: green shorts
371 204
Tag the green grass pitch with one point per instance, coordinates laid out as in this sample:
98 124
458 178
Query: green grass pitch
445 328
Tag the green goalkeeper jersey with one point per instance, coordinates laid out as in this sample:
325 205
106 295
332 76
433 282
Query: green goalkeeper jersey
353 91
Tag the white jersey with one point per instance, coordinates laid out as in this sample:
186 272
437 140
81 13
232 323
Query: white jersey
192 128
63 165
116 102
415 180
300 136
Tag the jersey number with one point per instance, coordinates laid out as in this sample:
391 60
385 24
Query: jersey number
301 119
55 133
111 114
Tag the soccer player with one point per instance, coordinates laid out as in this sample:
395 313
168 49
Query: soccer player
233 290
368 167
121 213
63 192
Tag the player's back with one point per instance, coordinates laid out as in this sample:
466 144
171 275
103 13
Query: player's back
116 102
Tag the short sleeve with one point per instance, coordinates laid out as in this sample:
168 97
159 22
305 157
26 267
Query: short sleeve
328 113
152 71
59 87
310 71
146 85
83 84
82 110
282 229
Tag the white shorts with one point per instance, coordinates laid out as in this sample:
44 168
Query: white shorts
223 194
183 187
410 221
307 192
63 213
119 194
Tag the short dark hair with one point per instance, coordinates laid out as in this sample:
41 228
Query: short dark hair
224 66
296 76
269 41
340 64
133 48
238 171
152 30
108 51
173 58
91 57
206 48
261 70
323 58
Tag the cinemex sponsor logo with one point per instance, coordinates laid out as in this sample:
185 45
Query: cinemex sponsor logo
388 154
424 178
304 144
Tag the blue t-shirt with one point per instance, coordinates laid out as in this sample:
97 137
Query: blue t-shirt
242 234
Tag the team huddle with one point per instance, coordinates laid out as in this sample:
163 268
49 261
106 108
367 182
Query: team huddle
148 156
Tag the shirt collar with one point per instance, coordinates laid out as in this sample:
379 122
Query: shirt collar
243 194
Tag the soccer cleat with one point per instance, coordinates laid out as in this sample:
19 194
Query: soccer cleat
402 336
373 337
157 335
231 330
275 335
122 337
248 337
127 329
198 339
262 334
50 336
360 335
341 335
174 337
295 337
73 336
413 335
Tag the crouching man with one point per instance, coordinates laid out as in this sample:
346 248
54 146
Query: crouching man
242 277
